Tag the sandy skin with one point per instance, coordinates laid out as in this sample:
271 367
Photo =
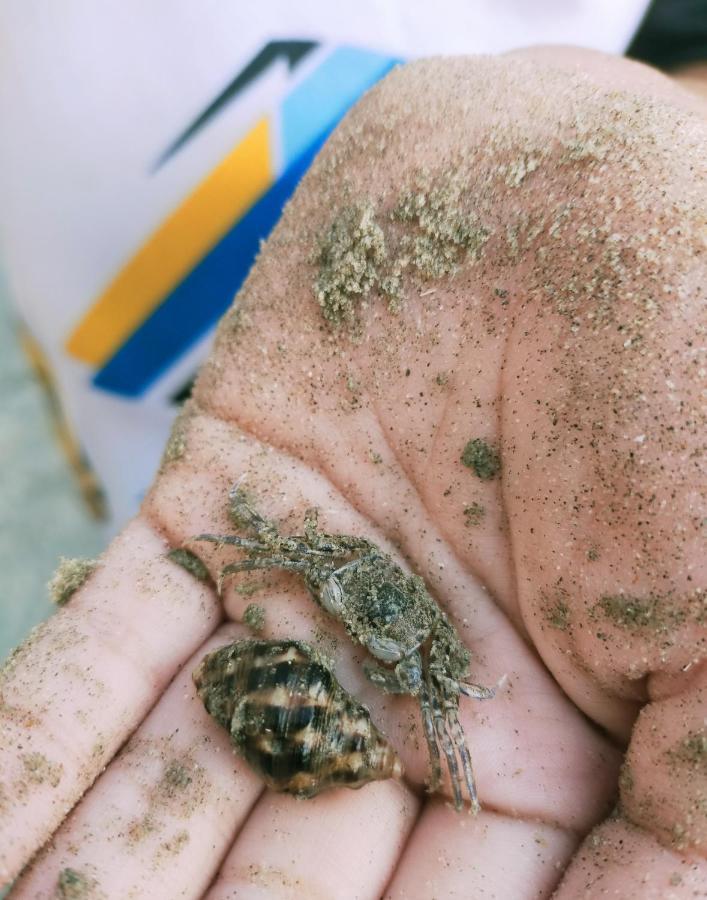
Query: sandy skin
567 341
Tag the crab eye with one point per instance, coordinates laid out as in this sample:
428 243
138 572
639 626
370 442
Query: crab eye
384 649
331 597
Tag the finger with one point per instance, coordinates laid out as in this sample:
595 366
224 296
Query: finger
664 778
339 844
488 856
620 860
534 754
158 822
71 694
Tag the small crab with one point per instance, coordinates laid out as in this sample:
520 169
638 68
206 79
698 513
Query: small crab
386 610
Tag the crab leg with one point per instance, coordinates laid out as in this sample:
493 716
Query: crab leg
430 737
462 747
475 691
294 546
345 542
448 749
267 562
235 540
384 678
244 513
311 520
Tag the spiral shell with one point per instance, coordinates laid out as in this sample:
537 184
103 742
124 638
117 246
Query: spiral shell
291 720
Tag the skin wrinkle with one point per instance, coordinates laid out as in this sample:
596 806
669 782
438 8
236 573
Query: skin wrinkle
120 649
504 499
449 545
429 518
512 613
439 430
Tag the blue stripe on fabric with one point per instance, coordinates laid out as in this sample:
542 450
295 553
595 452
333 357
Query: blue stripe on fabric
319 102
198 302
309 114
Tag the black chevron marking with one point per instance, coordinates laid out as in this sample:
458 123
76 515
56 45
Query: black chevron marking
292 51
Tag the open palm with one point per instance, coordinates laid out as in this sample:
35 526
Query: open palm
521 428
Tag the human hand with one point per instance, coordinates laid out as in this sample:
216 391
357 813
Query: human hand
551 312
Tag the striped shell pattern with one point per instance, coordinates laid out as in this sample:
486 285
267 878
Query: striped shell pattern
291 720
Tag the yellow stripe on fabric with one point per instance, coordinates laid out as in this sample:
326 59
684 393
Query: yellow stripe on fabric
175 248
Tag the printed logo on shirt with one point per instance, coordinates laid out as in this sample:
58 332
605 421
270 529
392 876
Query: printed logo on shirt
174 290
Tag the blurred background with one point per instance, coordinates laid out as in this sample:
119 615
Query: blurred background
42 511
